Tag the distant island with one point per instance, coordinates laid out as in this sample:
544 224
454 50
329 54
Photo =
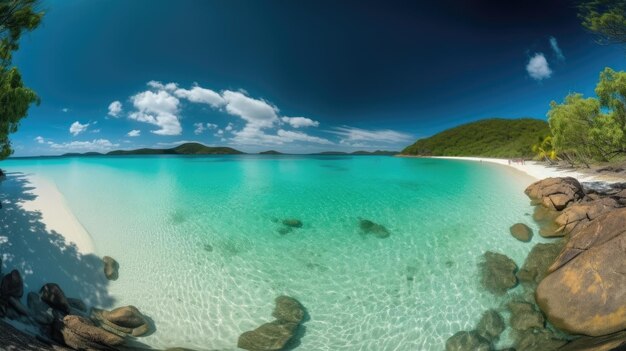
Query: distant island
496 137
183 149
270 152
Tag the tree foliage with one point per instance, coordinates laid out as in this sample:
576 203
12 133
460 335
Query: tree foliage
545 150
16 17
606 18
586 129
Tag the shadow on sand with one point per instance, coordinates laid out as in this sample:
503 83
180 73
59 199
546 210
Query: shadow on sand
44 256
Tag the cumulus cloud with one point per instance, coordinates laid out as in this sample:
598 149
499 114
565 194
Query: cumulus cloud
538 67
40 140
77 128
254 111
356 136
115 109
229 127
300 122
93 145
211 126
291 136
200 95
134 133
557 50
158 108
199 128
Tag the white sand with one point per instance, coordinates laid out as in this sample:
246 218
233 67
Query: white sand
55 213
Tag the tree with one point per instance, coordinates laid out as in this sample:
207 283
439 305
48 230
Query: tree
16 17
606 18
544 150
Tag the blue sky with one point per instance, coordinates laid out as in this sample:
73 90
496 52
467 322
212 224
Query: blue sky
302 76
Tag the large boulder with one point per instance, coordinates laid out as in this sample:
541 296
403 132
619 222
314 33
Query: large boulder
52 294
524 316
467 341
585 292
12 285
578 214
81 333
288 309
535 267
555 193
271 336
111 268
521 232
369 227
491 325
122 321
498 273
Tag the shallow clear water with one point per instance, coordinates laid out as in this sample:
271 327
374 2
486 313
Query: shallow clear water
198 244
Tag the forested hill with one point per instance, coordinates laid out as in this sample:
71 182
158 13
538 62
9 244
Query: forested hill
496 137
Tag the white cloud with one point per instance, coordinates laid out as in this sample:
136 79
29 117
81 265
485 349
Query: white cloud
65 109
77 128
211 126
94 145
199 128
538 67
95 131
134 133
300 122
229 127
356 136
291 136
115 108
200 95
40 140
160 86
254 111
158 108
557 50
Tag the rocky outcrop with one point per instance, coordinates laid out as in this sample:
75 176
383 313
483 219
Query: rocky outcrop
369 227
585 292
579 214
52 294
111 268
122 321
81 333
538 261
521 232
467 341
275 335
12 285
497 273
555 193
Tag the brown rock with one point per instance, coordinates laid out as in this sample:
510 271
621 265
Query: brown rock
491 325
578 214
292 223
613 342
524 316
369 227
288 309
52 294
555 193
81 334
111 268
122 320
537 340
498 273
271 336
12 285
467 341
521 232
541 256
546 219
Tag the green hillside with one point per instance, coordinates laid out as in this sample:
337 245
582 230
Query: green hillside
183 149
497 137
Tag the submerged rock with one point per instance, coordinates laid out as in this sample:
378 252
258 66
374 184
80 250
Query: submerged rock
585 292
39 310
12 285
524 316
288 309
111 268
538 340
271 336
491 325
292 223
369 227
555 193
546 218
122 321
52 294
467 341
612 342
498 273
285 230
521 232
77 304
541 256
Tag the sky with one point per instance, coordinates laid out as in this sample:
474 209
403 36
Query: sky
294 76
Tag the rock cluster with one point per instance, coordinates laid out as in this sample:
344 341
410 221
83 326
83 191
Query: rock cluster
275 335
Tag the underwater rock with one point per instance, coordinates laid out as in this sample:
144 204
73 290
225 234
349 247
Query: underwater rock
555 193
81 333
288 309
613 342
498 273
285 230
535 267
491 325
122 321
111 268
272 336
12 285
584 292
537 340
521 232
370 227
467 341
52 294
546 219
77 304
17 306
208 247
292 223
577 215
524 316
39 310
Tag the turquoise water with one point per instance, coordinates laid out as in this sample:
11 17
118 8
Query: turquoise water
200 253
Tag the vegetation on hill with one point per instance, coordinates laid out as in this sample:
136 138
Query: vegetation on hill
497 137
183 149
270 152
16 17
